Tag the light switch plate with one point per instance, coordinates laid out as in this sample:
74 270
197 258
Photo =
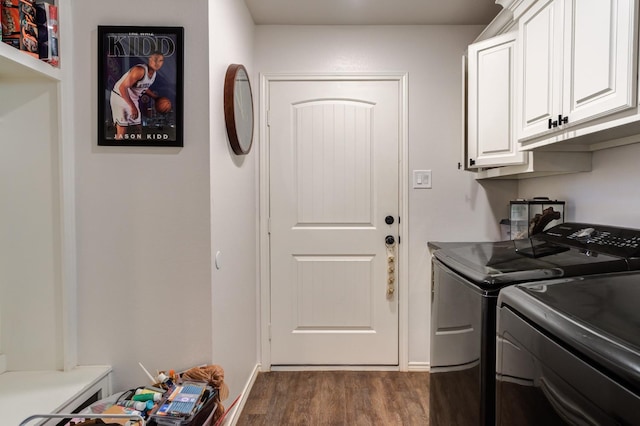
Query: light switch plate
422 179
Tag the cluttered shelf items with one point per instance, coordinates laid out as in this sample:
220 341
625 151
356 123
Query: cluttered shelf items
31 27
190 398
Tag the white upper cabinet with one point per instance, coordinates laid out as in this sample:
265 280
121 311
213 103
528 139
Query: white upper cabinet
539 80
599 58
491 95
577 63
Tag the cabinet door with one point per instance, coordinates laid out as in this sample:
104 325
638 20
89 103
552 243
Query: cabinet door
491 125
540 54
599 58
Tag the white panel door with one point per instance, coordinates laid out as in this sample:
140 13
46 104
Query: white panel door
600 58
334 154
540 73
491 96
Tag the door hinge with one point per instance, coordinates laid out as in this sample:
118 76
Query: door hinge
268 118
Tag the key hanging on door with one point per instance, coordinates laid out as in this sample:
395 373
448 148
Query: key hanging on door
390 243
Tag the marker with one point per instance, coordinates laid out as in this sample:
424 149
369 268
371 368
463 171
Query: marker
147 396
136 405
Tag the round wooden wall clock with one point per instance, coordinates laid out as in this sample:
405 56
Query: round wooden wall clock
238 109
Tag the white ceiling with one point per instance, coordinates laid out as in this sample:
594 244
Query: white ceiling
372 12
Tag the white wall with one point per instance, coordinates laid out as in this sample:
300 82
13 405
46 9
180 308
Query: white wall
30 275
607 195
150 219
457 208
144 278
234 204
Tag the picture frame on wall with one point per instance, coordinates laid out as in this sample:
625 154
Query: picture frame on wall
140 86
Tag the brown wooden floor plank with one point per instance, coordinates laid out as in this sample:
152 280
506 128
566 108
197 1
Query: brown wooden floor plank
328 405
262 390
360 394
287 399
337 398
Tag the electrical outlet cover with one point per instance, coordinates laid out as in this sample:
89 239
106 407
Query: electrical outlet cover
422 179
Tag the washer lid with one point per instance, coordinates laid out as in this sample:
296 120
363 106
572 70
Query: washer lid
567 250
596 316
494 265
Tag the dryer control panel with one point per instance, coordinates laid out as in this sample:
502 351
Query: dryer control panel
621 242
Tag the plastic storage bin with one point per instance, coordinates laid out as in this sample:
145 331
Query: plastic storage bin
528 217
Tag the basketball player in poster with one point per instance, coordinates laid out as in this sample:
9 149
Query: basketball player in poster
126 94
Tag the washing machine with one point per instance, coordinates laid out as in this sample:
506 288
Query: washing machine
467 280
569 352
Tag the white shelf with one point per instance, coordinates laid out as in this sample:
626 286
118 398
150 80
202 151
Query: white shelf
15 64
25 393
541 163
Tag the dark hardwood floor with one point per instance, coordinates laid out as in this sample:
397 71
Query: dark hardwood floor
338 398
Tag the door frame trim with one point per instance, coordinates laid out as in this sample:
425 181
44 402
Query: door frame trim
264 355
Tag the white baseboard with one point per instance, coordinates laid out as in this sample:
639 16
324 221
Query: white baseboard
418 366
412 366
232 417
335 368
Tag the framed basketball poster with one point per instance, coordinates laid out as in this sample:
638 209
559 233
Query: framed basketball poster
140 86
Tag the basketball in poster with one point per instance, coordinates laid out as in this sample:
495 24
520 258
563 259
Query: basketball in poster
140 86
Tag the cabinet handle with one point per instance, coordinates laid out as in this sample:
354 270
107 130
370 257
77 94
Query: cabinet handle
472 162
553 123
562 120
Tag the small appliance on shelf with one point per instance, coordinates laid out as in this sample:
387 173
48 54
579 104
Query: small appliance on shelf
529 217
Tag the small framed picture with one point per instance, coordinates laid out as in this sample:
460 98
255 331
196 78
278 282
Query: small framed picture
140 86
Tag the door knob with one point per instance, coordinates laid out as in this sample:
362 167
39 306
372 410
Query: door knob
388 220
389 240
